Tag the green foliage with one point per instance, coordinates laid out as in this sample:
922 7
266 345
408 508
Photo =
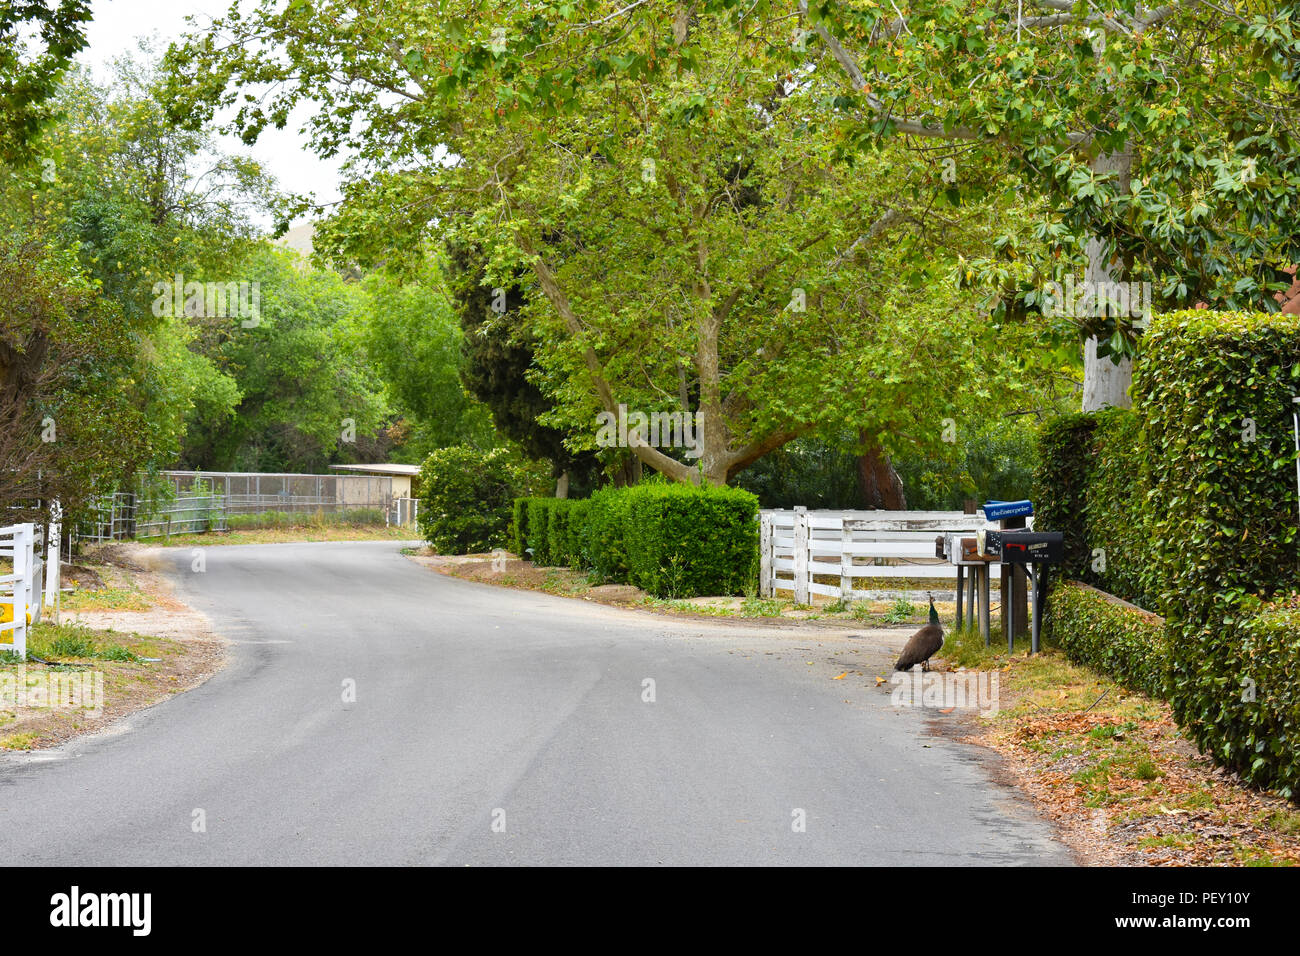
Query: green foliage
1120 640
1115 515
606 534
993 458
1061 486
410 335
1091 485
1193 496
519 527
575 539
670 540
538 548
557 532
1265 698
466 496
28 83
1215 394
685 541
1214 390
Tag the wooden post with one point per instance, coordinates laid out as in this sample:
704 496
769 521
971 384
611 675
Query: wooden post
801 591
1014 593
961 571
766 586
984 602
846 561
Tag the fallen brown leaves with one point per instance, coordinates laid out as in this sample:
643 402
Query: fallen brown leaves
1124 787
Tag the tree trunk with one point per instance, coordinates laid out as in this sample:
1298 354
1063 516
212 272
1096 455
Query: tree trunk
1106 382
562 485
879 485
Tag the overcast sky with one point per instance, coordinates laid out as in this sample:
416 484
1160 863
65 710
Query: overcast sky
117 27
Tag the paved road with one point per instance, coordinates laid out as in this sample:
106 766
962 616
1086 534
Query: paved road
477 705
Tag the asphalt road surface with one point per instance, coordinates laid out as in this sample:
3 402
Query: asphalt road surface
494 726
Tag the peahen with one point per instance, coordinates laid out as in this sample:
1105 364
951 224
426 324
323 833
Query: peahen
922 645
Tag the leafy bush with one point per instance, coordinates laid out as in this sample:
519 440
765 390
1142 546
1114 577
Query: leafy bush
575 545
1214 390
519 527
684 541
1215 393
466 496
1109 635
1091 485
1266 698
671 540
557 531
538 537
606 525
1061 486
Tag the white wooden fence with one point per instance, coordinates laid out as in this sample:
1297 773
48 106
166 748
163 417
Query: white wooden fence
796 547
18 588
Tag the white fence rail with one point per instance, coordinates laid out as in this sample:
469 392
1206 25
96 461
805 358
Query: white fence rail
798 547
18 587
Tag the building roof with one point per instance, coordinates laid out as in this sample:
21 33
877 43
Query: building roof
380 469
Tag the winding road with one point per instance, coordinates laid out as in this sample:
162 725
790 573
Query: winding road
495 726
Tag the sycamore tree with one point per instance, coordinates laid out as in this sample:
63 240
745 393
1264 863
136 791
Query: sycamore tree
698 238
1162 136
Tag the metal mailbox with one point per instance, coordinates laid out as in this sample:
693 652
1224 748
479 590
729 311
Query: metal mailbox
1026 547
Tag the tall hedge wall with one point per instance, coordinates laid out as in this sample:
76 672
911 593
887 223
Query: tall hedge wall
1091 485
1268 696
1195 490
1214 390
670 540
1215 394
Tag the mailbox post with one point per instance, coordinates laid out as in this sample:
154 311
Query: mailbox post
1038 550
973 571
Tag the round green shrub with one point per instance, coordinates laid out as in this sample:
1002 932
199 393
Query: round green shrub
466 497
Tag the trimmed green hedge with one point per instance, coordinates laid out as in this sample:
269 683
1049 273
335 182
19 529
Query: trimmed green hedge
1061 485
1214 390
606 544
519 527
537 535
1266 699
1091 486
669 540
1106 634
1215 393
1193 496
684 541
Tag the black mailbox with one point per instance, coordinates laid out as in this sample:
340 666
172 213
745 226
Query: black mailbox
1027 547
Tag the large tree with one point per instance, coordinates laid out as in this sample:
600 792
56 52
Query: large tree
1163 137
38 40
698 238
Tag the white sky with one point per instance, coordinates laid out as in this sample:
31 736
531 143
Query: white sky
117 26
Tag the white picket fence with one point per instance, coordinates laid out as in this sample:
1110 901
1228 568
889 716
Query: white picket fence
19 588
798 546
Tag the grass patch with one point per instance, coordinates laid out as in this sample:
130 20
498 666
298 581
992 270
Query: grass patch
290 534
132 671
1094 748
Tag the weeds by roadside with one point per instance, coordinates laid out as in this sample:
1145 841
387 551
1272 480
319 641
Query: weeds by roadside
1112 767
